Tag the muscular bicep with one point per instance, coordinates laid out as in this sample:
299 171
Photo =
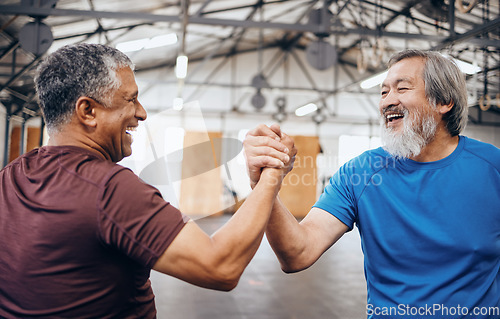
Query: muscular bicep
192 257
322 230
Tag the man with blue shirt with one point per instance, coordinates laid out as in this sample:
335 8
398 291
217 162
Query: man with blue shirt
427 204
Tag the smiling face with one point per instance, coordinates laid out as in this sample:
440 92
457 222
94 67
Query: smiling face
117 120
409 121
403 93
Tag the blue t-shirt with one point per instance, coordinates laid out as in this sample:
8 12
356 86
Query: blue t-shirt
430 232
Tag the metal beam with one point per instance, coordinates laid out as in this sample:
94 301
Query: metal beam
13 46
202 7
485 28
243 85
17 94
43 12
20 73
10 9
7 135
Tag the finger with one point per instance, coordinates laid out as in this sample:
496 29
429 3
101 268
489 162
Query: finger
262 130
265 141
270 152
276 129
256 151
289 143
255 163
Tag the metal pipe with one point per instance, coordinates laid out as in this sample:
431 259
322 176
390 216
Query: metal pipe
185 20
16 9
451 19
20 73
6 144
42 126
22 136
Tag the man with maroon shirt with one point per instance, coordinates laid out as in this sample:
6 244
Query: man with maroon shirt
79 233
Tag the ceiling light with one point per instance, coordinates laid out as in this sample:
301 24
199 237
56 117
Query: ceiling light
373 81
181 67
131 46
178 103
306 109
161 40
466 67
147 43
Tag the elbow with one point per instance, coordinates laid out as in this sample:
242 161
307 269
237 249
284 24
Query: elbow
228 285
290 267
289 270
227 279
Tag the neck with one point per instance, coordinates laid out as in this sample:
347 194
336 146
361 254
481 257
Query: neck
70 137
441 146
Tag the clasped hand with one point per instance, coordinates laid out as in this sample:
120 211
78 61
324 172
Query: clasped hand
268 147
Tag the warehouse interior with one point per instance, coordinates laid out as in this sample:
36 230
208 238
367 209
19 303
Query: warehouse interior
251 62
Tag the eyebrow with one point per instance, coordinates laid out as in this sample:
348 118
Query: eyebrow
397 81
133 94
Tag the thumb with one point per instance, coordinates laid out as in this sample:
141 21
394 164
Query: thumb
276 129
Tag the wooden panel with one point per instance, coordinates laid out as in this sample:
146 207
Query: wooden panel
298 191
201 193
15 140
32 141
33 138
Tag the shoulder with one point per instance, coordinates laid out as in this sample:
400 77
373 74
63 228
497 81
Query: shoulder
370 161
485 152
83 165
359 172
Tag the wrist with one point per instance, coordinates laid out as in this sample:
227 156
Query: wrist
272 176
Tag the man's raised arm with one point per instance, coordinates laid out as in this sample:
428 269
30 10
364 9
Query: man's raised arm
218 261
297 245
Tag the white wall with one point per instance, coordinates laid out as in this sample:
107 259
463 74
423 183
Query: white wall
231 87
487 134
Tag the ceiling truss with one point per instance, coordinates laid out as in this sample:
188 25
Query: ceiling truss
354 22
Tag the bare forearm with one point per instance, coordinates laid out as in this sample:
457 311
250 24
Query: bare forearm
241 236
287 238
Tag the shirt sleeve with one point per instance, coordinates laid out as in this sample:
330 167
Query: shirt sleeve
135 219
338 197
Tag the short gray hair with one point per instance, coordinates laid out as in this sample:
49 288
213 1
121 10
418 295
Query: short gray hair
74 71
444 84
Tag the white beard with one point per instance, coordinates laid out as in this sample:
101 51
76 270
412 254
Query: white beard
412 140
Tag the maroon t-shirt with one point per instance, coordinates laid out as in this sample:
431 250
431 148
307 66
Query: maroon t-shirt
79 236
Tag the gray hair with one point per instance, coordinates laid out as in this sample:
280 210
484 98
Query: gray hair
74 71
444 84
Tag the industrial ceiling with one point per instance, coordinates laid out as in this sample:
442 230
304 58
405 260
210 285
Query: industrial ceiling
349 37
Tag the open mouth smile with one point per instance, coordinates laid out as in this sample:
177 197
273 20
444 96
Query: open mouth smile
393 116
130 129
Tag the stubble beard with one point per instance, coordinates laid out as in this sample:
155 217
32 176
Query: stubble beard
414 137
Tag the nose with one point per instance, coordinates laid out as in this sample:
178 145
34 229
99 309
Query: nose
140 112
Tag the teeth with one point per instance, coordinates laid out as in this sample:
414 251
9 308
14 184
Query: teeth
130 129
393 116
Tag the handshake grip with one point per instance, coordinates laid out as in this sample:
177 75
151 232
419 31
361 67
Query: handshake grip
267 147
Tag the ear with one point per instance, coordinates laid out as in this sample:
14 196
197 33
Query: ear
445 108
85 110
